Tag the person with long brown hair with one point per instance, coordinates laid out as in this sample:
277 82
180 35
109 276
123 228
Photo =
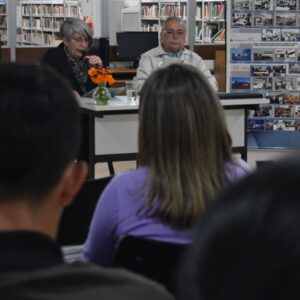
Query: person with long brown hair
185 159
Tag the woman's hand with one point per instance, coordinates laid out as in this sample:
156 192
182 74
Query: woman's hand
94 60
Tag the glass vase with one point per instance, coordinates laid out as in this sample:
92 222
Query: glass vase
101 95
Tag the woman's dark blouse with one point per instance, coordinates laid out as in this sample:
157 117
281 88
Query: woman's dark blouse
58 60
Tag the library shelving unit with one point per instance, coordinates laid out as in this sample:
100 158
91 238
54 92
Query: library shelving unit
154 13
38 22
210 21
210 17
3 23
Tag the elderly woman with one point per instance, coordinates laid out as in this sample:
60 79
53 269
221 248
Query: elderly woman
71 58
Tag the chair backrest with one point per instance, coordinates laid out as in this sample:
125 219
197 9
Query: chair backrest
76 218
154 259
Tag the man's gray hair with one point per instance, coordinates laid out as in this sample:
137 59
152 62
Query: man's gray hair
173 19
72 25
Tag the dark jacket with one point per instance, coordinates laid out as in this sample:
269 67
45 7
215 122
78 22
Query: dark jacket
57 59
31 267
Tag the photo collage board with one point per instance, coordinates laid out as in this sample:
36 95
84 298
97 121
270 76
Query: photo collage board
263 55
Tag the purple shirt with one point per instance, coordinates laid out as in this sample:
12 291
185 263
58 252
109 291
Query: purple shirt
118 213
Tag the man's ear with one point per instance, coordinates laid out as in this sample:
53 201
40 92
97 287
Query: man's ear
72 180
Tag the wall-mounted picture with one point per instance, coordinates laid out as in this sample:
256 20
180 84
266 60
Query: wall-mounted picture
240 83
241 5
297 83
298 55
263 54
286 4
275 98
241 19
270 34
261 70
290 34
286 19
291 98
291 84
297 111
285 54
240 54
263 4
269 124
285 125
279 83
294 68
264 83
256 124
297 125
264 111
279 70
263 19
283 111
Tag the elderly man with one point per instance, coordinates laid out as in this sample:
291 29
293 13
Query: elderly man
170 51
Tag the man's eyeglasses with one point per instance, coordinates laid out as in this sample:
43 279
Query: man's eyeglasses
80 40
178 33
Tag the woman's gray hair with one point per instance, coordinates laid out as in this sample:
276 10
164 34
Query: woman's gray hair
72 25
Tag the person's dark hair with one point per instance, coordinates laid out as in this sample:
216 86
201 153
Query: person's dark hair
183 140
39 130
247 246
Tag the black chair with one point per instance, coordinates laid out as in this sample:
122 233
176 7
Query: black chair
153 259
76 218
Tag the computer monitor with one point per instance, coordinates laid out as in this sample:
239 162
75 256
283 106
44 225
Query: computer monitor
132 44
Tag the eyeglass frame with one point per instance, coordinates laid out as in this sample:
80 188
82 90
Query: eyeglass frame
178 33
80 40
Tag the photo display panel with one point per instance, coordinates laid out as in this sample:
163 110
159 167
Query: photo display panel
263 55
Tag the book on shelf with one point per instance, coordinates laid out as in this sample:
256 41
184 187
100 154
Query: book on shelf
219 36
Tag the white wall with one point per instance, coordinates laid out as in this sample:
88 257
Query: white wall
93 8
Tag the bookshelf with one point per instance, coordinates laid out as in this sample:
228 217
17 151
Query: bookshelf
38 22
210 17
154 13
210 21
3 22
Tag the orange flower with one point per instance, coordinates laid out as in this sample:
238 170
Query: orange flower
100 75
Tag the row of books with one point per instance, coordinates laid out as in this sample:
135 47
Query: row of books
37 38
173 10
210 34
150 27
213 10
43 9
149 11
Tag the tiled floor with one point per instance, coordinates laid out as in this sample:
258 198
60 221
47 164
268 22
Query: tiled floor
101 169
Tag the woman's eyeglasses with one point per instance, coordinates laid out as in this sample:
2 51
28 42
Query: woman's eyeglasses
80 40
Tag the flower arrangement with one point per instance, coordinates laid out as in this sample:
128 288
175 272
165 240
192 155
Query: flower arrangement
101 77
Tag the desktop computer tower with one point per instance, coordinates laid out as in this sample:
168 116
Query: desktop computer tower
102 48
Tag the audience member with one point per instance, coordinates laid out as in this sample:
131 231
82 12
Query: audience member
184 159
40 136
247 246
71 58
171 50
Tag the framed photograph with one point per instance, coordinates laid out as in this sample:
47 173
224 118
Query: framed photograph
270 34
241 19
291 84
286 19
263 19
297 111
264 111
294 68
264 83
285 125
256 124
291 98
290 35
285 5
297 125
240 54
261 70
285 54
240 83
275 98
263 4
279 83
279 70
241 4
283 111
263 54
269 124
